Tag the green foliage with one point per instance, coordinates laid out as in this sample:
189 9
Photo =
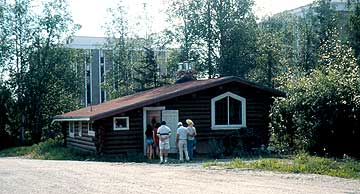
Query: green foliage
301 163
135 59
275 49
122 55
216 148
42 77
218 37
321 113
148 72
354 35
51 149
17 151
7 110
188 32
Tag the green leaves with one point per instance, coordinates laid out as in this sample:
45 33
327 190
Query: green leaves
43 78
320 104
218 37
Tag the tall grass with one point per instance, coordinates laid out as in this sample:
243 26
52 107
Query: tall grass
301 163
53 149
50 149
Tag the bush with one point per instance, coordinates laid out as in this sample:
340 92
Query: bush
51 149
321 114
216 148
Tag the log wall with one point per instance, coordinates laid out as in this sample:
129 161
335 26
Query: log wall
84 142
195 106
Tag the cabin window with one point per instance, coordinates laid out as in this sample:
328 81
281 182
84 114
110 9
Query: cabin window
121 123
71 129
90 129
228 111
80 129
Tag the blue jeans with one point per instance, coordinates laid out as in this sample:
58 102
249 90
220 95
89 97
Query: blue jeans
190 146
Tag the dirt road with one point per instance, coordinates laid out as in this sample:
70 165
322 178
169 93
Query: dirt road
22 176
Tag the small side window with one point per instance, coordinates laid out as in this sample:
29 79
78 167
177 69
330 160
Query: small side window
91 131
80 128
121 123
71 129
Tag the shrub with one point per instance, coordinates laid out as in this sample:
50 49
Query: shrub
322 111
51 149
217 148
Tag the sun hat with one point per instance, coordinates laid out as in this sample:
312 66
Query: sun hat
189 122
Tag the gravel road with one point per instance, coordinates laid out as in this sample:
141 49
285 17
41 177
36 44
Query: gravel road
22 176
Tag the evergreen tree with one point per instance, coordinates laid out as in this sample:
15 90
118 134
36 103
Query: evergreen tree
147 74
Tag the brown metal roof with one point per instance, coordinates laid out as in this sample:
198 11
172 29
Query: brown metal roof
155 95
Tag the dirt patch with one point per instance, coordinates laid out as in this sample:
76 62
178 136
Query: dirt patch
40 176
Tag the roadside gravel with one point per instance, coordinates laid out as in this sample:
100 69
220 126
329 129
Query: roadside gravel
74 177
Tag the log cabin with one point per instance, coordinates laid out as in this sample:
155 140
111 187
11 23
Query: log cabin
222 109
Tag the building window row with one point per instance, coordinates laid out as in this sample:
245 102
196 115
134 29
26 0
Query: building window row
78 128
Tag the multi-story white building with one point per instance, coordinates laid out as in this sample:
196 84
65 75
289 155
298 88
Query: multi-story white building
97 63
95 66
337 5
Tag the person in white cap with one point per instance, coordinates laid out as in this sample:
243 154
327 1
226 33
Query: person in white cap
181 142
164 134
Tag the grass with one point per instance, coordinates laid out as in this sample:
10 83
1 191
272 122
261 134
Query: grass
48 150
54 150
301 163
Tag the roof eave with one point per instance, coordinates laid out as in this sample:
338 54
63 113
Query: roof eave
271 91
274 92
63 119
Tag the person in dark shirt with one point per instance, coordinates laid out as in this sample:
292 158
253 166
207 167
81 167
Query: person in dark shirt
149 141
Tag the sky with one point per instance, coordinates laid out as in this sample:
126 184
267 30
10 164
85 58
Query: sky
92 14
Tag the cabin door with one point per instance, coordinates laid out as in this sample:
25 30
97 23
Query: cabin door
171 117
152 115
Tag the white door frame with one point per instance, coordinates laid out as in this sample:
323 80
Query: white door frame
160 108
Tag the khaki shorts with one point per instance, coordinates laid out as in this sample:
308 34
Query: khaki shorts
164 145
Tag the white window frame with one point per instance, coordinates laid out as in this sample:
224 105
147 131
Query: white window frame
228 126
90 132
80 128
121 128
71 125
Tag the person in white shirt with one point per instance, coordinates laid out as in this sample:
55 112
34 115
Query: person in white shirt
164 134
181 141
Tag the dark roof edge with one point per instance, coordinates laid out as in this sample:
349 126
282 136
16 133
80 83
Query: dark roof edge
146 102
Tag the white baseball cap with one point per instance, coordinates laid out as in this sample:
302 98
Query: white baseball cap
180 124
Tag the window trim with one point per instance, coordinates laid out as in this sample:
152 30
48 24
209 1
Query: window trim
90 132
121 128
228 126
71 134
